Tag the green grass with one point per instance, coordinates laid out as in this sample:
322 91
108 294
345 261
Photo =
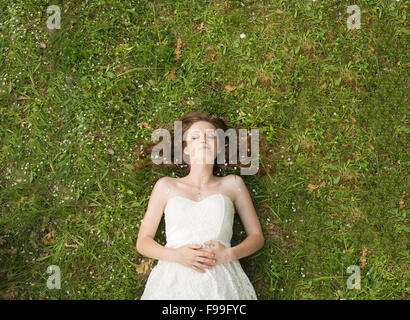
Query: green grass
331 102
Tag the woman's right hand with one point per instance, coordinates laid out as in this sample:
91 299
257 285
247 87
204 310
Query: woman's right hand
190 256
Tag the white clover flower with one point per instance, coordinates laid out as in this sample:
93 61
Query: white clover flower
242 35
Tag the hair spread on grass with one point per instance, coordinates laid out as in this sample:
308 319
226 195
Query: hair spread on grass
188 120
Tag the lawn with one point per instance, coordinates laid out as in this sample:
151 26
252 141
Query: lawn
78 102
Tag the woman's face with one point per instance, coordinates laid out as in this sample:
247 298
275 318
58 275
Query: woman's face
201 140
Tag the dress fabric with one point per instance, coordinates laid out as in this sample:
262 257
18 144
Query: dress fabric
195 222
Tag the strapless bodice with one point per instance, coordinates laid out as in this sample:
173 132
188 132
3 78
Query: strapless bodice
188 221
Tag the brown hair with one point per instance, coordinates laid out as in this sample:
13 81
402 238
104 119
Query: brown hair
187 121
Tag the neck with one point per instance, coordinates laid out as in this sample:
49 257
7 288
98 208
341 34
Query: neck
200 174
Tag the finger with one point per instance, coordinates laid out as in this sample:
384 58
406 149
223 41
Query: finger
195 246
197 268
203 266
206 252
206 261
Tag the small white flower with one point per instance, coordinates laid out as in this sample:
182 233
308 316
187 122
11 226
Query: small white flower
242 35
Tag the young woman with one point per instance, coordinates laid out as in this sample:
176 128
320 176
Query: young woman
198 261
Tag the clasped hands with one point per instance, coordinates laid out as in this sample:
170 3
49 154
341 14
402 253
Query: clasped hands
197 257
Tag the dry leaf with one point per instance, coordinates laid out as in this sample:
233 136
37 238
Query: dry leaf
315 186
73 69
43 45
71 245
88 86
110 151
171 74
146 125
201 27
49 238
363 258
278 11
371 147
144 266
401 202
230 88
213 56
164 42
178 49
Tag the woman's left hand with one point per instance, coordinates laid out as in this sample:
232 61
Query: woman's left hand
222 253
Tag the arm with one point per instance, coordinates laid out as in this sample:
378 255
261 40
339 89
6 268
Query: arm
146 245
243 202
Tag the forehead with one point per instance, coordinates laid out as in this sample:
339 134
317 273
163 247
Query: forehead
201 126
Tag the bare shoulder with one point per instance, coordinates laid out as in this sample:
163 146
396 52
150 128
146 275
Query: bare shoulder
235 185
163 184
233 179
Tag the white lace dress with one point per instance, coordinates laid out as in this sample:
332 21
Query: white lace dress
189 222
